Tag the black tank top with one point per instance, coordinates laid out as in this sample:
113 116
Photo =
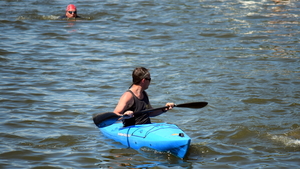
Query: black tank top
138 105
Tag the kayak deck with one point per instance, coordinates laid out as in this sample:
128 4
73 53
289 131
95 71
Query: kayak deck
159 136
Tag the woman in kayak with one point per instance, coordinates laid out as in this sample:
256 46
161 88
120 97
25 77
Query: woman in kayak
136 99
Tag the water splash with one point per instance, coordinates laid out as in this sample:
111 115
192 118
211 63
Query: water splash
287 141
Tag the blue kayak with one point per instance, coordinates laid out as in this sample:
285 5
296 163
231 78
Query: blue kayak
162 137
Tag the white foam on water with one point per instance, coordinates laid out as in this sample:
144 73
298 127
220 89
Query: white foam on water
290 142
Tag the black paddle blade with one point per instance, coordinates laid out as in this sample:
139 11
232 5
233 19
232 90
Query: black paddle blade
194 105
105 119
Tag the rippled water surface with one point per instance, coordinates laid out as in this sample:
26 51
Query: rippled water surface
240 56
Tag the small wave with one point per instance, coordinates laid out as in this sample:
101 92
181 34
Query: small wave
40 17
49 17
287 141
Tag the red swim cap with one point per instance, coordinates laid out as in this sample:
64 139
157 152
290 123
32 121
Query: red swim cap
71 7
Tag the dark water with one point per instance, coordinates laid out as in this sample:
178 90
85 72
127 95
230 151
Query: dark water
240 56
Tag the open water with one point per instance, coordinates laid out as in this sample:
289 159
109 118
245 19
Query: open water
240 56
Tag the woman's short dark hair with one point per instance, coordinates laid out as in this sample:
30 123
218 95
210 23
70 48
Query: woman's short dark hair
138 74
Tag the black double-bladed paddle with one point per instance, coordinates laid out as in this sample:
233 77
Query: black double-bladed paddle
108 118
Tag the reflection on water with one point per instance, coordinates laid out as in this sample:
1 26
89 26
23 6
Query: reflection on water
242 57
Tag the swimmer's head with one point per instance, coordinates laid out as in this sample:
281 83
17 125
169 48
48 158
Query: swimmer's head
71 11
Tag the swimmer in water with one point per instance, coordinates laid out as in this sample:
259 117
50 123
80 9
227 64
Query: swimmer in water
71 12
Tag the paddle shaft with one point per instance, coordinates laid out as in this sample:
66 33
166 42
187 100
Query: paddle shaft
194 105
184 105
112 117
